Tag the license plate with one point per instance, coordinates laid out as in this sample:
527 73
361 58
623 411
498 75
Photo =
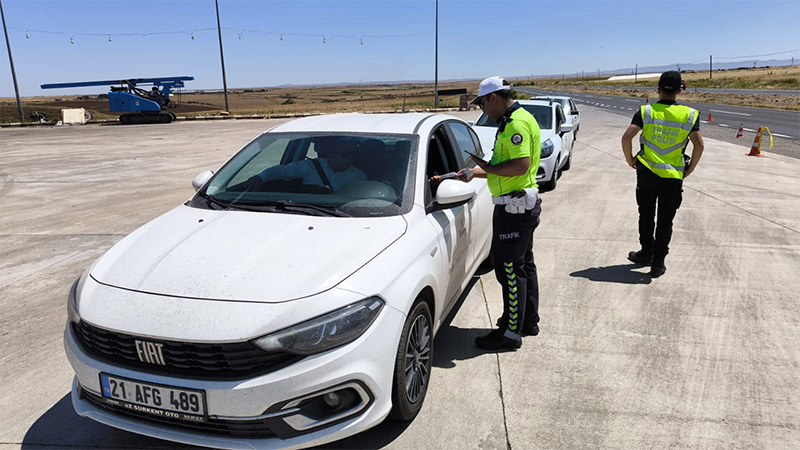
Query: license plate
155 399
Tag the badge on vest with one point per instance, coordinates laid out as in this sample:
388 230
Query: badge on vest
516 139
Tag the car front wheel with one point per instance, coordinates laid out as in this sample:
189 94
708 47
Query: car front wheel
412 367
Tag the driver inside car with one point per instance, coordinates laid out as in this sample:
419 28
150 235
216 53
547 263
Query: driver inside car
334 159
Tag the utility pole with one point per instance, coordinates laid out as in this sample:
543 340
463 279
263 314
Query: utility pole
436 70
710 60
636 74
11 60
222 59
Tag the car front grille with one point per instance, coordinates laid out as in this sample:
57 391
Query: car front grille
227 361
257 428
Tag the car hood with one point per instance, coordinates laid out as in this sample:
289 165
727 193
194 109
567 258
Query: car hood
244 256
487 135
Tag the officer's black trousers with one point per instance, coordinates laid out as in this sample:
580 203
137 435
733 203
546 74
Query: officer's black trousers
667 194
512 255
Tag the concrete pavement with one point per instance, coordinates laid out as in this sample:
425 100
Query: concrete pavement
704 357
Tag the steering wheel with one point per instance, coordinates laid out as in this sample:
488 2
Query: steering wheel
324 178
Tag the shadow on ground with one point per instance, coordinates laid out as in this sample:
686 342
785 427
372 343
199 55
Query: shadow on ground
621 273
62 427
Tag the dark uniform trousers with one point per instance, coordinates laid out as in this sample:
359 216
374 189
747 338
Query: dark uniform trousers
667 193
512 250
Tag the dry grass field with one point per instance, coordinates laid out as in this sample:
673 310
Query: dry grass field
265 101
419 96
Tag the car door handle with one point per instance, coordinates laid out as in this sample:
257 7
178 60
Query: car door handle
433 252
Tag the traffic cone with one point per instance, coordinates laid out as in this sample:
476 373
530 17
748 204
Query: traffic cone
647 100
740 133
710 119
595 95
755 150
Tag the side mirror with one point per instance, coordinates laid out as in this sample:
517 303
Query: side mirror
201 179
450 194
566 127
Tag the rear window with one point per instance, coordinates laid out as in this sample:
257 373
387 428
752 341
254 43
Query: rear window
542 114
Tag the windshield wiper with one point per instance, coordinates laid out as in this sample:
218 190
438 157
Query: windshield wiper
306 208
230 205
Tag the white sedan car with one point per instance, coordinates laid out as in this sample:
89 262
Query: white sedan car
294 299
570 110
557 139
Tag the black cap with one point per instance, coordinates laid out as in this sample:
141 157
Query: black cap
670 81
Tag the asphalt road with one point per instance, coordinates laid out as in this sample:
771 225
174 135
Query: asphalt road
781 92
784 124
705 357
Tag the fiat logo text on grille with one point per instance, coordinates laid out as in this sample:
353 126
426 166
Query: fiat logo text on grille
149 352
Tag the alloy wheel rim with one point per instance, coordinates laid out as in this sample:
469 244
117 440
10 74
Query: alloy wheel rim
418 354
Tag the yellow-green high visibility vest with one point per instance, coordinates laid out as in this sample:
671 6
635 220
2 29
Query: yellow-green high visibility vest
665 133
520 138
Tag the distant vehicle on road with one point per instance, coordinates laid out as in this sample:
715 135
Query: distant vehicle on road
557 138
294 299
570 110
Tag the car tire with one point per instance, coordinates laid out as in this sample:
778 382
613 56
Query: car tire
551 185
408 393
569 162
575 134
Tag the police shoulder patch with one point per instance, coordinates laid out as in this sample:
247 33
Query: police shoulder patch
516 139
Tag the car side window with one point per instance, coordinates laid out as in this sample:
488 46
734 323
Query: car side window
441 160
574 106
464 142
566 107
559 118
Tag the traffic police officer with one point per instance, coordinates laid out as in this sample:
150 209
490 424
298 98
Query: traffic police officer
667 128
511 177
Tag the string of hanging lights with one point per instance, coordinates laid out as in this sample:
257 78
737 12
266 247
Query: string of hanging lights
241 34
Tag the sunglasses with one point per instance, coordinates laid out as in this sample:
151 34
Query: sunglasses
482 100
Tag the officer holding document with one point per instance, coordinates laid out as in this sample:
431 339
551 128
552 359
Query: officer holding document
511 177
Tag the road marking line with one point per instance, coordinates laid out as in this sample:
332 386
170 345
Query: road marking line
703 121
630 109
728 112
748 129
781 135
635 101
723 125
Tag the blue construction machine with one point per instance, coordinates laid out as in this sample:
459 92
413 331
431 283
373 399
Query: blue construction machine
140 105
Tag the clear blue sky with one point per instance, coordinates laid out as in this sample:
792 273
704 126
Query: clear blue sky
476 39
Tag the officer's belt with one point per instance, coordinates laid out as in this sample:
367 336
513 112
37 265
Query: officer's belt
505 199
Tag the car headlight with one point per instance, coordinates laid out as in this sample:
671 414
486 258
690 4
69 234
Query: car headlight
72 302
324 332
547 148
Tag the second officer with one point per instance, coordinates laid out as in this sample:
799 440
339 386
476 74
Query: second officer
511 177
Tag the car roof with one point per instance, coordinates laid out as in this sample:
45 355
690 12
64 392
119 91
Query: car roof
359 123
558 97
534 102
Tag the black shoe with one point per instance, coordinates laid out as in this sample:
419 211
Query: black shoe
657 270
640 258
532 330
495 340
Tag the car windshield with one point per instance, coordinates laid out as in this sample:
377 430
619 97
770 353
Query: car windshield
541 113
333 174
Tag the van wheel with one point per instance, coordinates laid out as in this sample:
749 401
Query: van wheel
412 366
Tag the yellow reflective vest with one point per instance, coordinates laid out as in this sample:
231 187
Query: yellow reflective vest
665 133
